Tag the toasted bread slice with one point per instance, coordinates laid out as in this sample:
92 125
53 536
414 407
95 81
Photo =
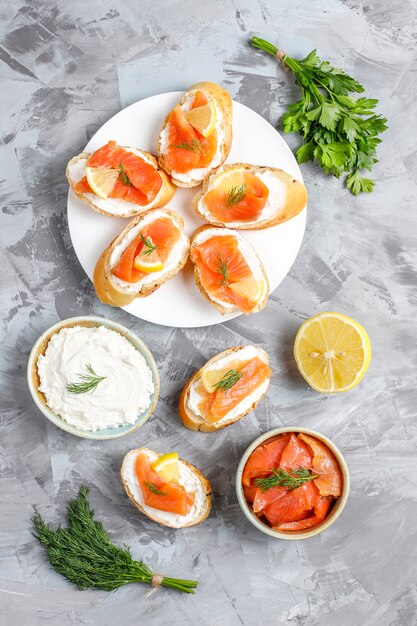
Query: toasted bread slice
111 290
253 260
287 196
115 207
225 113
190 416
201 507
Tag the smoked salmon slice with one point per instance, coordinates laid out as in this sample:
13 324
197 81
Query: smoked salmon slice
295 505
161 233
296 454
187 148
321 508
216 405
238 203
264 458
161 495
329 481
222 266
139 181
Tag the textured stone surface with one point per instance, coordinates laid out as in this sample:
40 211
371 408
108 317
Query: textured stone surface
66 68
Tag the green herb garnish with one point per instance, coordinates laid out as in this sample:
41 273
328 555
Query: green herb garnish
339 131
235 195
149 247
154 488
228 380
193 146
123 175
88 382
84 554
280 477
223 269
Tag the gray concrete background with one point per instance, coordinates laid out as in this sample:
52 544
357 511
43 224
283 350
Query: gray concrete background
66 68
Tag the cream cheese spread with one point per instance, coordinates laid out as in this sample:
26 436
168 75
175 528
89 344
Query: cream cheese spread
117 400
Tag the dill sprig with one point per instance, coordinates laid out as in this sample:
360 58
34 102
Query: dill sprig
235 195
84 554
223 269
184 145
148 244
154 488
88 382
280 477
123 175
228 380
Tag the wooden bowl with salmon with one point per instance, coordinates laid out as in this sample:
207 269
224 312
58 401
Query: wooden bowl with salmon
292 483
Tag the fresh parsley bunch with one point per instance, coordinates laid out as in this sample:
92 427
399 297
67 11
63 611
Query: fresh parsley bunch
340 132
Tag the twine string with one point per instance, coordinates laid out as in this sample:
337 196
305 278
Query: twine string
156 580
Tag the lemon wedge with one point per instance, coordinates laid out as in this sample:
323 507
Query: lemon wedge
210 377
332 352
166 466
248 288
203 118
101 180
148 261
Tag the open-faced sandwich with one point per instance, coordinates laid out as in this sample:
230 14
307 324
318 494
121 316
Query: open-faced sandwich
150 250
167 489
197 134
248 196
118 181
228 271
225 389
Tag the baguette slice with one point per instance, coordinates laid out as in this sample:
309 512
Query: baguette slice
193 420
225 108
133 490
224 307
112 291
287 196
115 207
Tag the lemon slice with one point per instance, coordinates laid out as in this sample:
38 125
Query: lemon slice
166 466
210 377
229 180
148 261
332 352
248 288
203 118
101 180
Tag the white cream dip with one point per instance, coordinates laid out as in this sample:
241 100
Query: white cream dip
117 400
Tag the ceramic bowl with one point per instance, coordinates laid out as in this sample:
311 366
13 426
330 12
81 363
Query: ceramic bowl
299 534
39 398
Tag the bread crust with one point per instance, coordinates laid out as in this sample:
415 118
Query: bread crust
110 293
296 199
193 421
164 195
205 486
224 101
197 277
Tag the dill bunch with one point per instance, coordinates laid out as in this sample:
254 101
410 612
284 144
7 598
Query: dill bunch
84 554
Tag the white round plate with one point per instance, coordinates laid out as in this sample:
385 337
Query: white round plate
179 302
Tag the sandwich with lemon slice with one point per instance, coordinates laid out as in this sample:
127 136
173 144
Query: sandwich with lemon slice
228 271
196 136
148 252
118 181
167 489
244 196
225 389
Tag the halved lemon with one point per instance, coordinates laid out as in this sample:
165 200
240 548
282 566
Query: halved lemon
332 352
166 466
148 261
249 288
101 180
203 118
210 377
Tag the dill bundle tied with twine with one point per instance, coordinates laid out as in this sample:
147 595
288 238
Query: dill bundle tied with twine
84 554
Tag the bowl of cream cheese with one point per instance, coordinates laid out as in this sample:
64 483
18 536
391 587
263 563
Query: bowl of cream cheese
93 378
